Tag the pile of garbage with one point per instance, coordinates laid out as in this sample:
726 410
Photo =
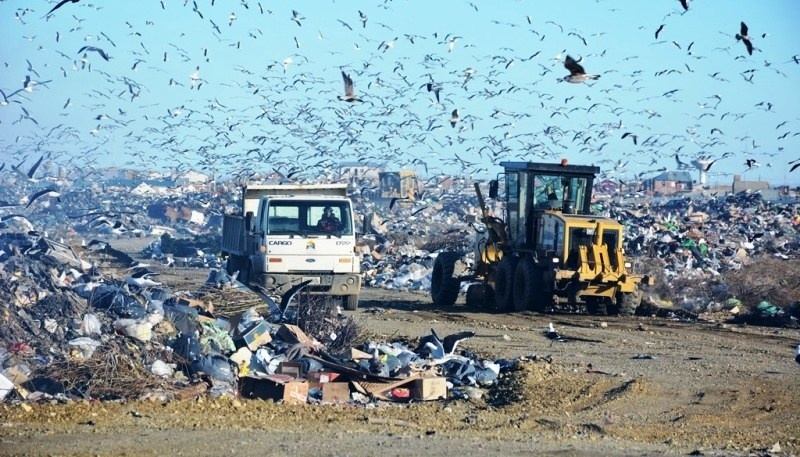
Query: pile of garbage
89 322
688 244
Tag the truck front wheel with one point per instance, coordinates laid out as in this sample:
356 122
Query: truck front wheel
350 302
444 287
236 264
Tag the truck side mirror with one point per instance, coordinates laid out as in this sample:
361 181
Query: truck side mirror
493 189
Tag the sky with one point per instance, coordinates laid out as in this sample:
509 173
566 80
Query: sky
233 88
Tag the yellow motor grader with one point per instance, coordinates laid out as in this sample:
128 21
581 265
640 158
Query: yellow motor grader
547 252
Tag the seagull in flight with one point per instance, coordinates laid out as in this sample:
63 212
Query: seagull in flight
742 35
349 91
33 169
96 49
297 17
49 192
454 118
59 5
576 72
435 88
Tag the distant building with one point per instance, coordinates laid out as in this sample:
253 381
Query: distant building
745 186
669 182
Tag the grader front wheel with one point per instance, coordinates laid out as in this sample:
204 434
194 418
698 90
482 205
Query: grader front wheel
628 303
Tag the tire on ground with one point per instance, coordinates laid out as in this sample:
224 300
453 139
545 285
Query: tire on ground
504 283
350 302
527 286
246 273
628 303
480 295
237 263
444 287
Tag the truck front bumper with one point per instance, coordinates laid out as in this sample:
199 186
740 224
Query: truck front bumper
321 284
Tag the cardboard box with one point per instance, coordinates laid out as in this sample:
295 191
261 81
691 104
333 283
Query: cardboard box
357 354
291 392
6 386
293 335
293 369
335 392
255 336
429 389
18 378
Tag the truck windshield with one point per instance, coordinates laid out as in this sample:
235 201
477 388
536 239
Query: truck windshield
309 217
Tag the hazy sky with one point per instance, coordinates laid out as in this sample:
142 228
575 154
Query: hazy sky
246 88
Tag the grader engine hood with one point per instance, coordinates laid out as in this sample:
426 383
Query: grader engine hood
590 250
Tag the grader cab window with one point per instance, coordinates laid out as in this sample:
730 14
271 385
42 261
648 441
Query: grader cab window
559 192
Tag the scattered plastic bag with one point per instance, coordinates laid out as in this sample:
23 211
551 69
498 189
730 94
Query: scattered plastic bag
90 325
142 330
767 309
215 340
162 369
83 347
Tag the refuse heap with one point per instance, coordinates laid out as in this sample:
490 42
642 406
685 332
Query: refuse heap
689 244
92 323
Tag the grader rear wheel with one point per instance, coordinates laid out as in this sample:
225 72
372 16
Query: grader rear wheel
444 287
479 295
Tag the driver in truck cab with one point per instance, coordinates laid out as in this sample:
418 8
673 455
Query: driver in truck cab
329 222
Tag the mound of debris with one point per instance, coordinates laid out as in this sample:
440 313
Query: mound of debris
90 322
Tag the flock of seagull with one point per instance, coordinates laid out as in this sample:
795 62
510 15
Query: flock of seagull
238 109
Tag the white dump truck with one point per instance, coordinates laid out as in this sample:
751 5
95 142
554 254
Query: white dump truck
289 234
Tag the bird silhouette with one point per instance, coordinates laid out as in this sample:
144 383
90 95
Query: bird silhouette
59 5
742 35
349 91
576 72
454 118
49 192
95 49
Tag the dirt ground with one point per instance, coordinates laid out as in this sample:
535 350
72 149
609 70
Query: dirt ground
656 386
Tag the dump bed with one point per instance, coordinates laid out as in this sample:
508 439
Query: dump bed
233 235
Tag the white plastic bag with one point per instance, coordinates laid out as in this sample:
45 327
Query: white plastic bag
83 347
91 325
163 369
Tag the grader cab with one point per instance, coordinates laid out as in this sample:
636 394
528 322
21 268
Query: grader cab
548 252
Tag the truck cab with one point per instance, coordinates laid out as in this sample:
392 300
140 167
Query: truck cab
279 242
